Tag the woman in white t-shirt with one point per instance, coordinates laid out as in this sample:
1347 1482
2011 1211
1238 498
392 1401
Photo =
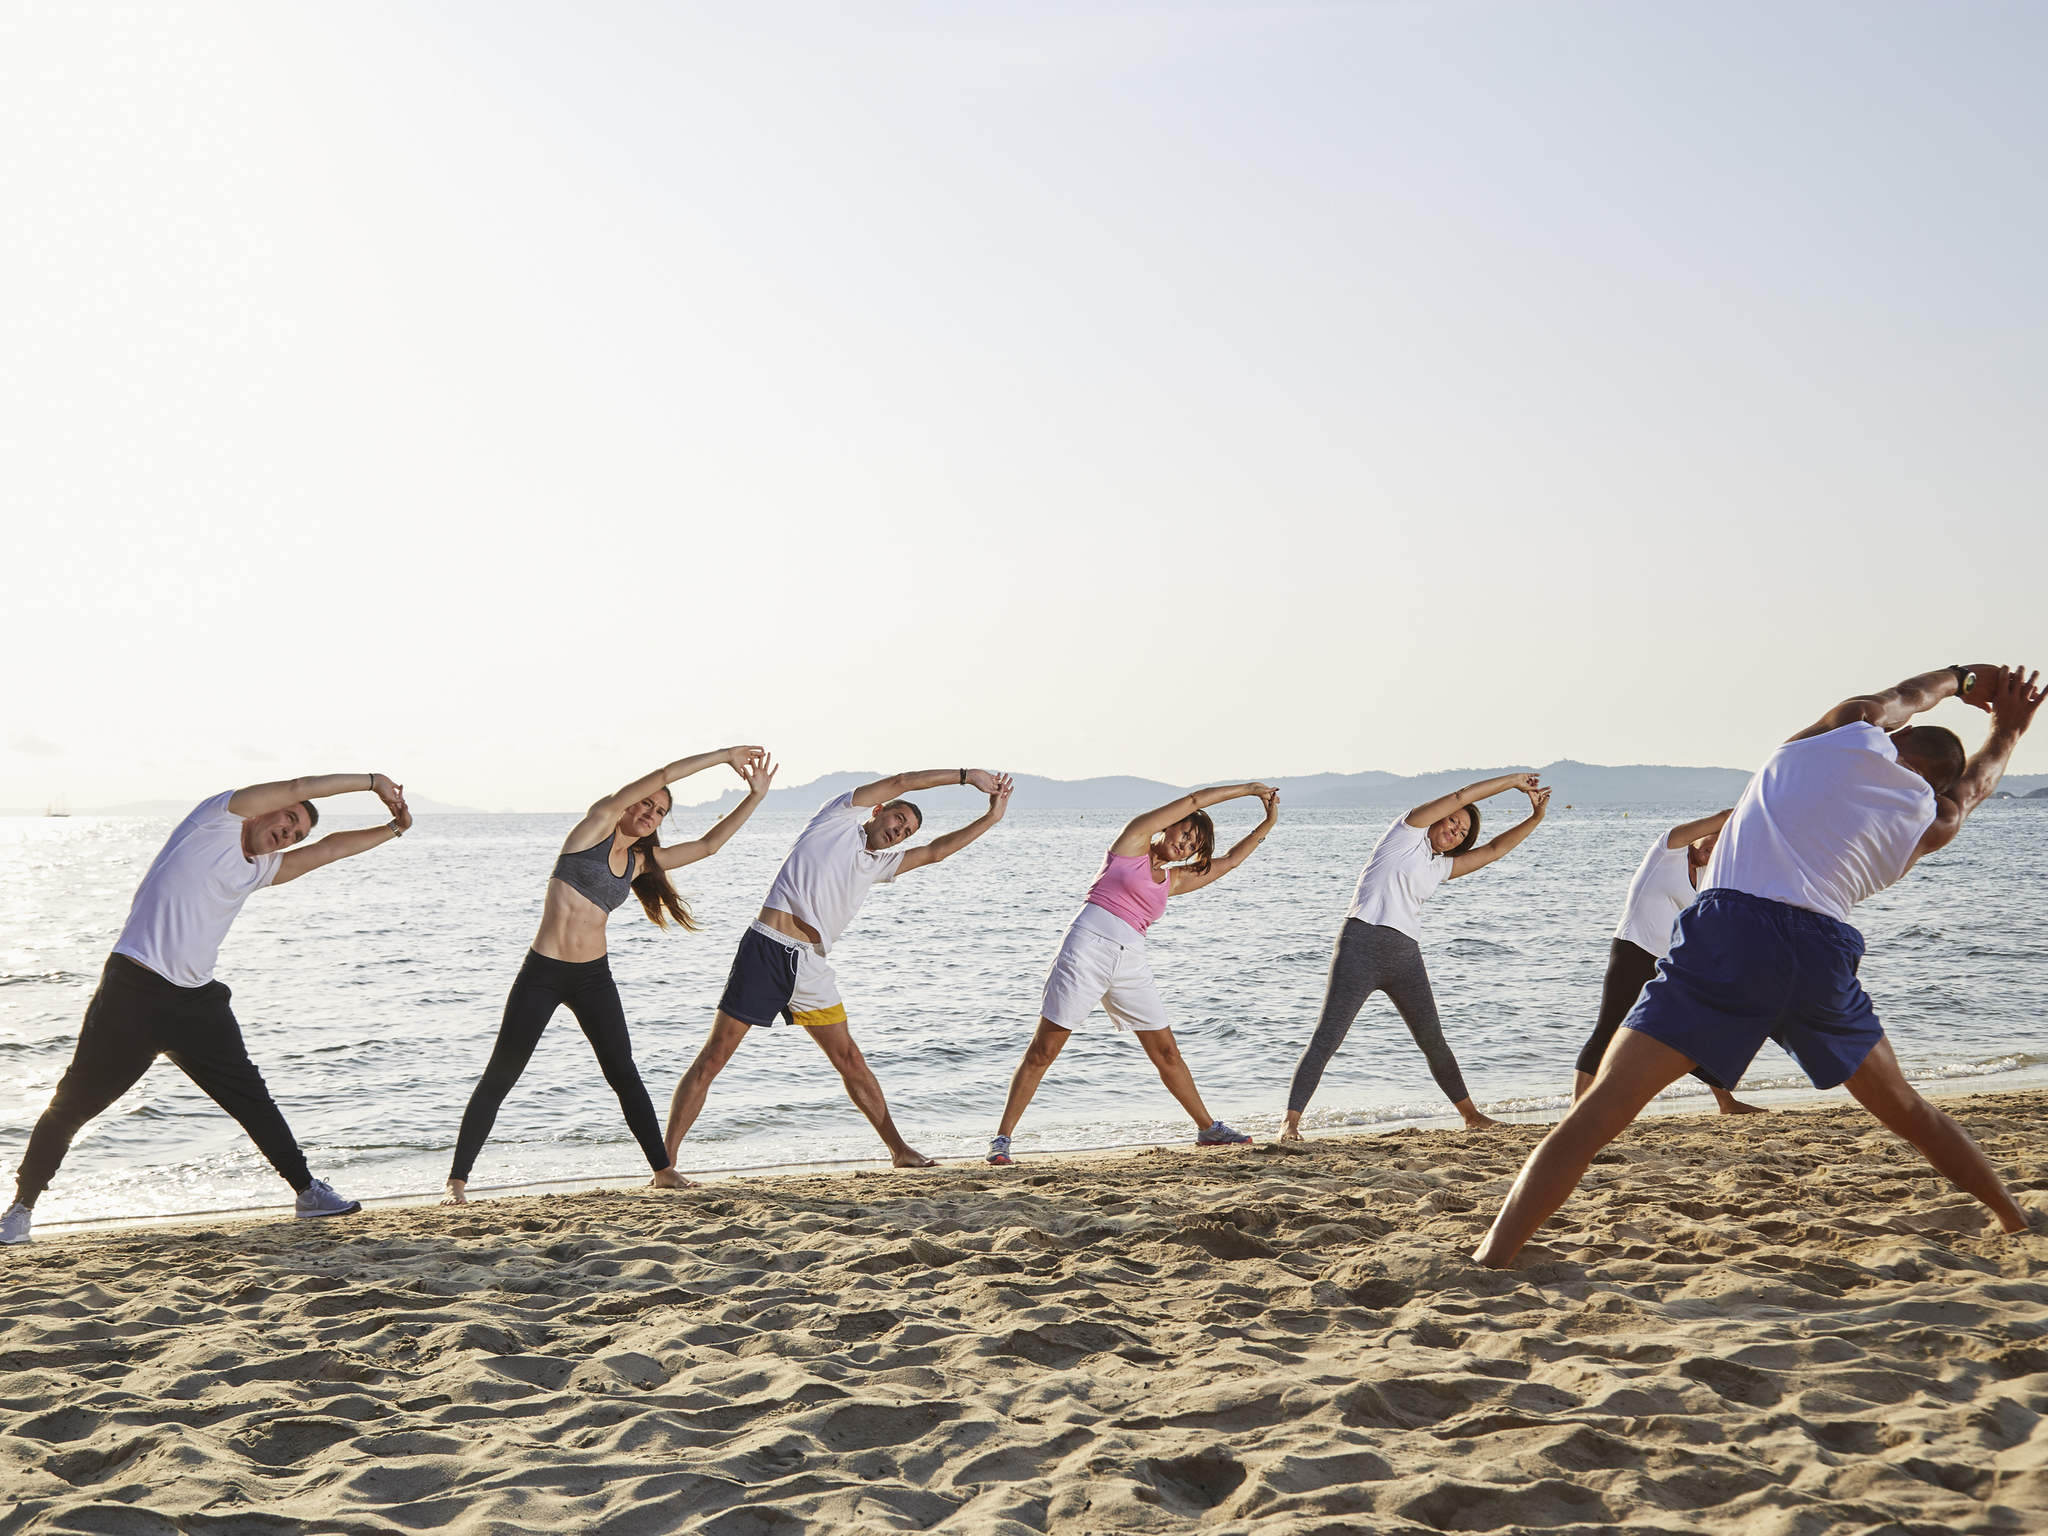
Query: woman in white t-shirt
1663 887
1379 949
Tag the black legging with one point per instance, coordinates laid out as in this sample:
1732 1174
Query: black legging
134 1017
543 985
1372 958
1629 969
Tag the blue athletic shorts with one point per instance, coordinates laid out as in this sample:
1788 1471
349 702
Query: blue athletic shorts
1743 970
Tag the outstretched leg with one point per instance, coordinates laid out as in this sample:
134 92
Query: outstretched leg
1164 1051
1406 981
211 1052
1637 1069
1880 1087
1038 1056
1353 978
115 1048
726 1034
837 1042
603 1019
528 1007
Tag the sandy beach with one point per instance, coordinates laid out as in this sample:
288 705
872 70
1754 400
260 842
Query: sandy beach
1782 1324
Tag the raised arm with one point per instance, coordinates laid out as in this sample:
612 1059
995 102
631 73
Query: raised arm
2011 696
1137 835
603 815
1505 842
262 799
945 846
1437 809
897 785
1693 831
1899 703
340 845
760 776
1185 880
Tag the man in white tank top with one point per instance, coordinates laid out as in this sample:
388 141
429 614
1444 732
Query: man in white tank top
1839 812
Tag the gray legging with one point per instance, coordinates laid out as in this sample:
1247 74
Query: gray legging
1371 959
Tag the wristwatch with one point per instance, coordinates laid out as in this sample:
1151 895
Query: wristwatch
1965 681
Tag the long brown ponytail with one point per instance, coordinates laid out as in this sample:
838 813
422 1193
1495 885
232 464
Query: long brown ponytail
660 899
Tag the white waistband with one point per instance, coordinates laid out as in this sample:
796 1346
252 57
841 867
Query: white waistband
1101 920
783 939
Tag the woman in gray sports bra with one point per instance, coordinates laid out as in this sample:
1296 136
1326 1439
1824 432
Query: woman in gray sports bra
611 852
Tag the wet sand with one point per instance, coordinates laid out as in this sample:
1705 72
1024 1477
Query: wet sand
1780 1324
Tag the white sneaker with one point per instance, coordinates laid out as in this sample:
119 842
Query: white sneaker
14 1224
319 1199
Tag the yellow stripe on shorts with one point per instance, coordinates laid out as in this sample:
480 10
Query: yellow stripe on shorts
823 1018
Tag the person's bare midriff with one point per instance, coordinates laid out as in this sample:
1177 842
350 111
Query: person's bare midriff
784 922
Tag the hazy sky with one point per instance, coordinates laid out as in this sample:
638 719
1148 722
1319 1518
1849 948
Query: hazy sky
513 397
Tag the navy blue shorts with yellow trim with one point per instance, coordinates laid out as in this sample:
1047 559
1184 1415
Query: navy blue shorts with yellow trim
774 976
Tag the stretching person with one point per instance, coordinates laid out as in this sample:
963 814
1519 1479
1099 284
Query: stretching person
613 850
157 995
780 970
1167 852
1838 813
1379 948
1663 888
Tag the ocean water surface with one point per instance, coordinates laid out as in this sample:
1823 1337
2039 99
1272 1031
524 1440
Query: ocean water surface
369 993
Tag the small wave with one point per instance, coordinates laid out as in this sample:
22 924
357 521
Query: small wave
1377 1114
2016 1061
1471 946
33 978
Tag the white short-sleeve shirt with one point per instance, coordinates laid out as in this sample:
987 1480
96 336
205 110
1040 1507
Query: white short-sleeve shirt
1826 822
192 894
1660 891
830 870
1402 873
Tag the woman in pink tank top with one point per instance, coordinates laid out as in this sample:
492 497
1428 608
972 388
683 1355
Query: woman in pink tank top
1167 852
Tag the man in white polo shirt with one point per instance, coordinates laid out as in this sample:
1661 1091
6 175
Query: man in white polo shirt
1840 811
849 847
157 995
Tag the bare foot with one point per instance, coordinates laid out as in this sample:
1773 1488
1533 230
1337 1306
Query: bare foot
1290 1133
910 1157
1478 1122
668 1178
456 1195
1730 1105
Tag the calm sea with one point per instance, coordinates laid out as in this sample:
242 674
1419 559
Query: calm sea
370 993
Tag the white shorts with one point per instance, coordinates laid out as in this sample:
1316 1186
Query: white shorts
1103 962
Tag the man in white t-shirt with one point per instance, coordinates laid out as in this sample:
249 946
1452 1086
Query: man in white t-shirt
157 995
1840 811
780 971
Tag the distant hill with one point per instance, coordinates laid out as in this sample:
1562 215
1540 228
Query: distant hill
1578 783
